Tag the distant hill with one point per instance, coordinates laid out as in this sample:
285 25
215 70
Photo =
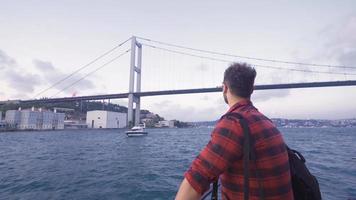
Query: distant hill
79 109
203 124
295 123
311 123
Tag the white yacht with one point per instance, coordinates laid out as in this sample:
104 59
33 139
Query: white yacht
137 131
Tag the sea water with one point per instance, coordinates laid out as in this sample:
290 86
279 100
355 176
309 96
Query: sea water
105 164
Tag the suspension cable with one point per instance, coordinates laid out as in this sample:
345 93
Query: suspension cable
92 72
257 65
81 68
247 57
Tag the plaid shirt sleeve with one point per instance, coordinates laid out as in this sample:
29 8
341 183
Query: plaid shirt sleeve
224 147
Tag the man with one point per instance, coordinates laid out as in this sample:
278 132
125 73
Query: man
223 155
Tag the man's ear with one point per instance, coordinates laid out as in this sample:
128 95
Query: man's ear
224 88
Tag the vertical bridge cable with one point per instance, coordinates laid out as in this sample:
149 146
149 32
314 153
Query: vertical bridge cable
83 67
257 65
245 57
92 72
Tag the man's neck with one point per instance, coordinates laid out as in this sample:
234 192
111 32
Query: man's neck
235 100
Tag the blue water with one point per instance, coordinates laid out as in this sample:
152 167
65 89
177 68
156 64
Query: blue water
105 164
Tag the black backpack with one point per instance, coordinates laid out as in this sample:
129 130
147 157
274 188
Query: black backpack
305 185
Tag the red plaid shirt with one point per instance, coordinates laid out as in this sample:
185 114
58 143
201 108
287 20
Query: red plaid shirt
223 156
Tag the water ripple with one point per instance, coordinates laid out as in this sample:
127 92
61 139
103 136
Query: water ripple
105 164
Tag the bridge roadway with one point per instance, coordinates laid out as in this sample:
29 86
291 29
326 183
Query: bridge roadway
190 91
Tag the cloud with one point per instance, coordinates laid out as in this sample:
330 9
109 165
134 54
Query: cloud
345 43
334 44
202 67
21 82
52 75
264 95
206 108
17 79
348 58
171 110
343 33
341 43
205 98
6 61
43 65
163 104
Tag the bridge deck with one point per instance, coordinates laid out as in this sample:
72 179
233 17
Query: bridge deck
191 91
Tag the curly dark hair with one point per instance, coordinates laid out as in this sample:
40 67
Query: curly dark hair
239 78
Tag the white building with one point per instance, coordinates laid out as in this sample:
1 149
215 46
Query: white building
34 119
30 119
13 118
106 119
75 124
3 125
58 121
48 119
166 123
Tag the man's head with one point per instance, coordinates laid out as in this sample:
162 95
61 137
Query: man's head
238 81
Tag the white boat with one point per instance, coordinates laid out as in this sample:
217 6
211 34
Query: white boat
137 131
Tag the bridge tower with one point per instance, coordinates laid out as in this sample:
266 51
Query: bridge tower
135 69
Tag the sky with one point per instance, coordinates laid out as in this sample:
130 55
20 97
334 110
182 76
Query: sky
43 41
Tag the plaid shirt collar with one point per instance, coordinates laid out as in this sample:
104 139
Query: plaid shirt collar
239 105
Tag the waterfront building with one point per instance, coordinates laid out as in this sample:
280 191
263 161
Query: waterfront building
75 124
30 119
48 118
146 120
34 119
58 121
165 123
106 119
13 118
3 125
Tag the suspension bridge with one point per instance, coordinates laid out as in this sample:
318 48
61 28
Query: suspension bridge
330 75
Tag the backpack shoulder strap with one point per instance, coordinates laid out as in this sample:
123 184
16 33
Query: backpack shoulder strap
249 154
246 150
